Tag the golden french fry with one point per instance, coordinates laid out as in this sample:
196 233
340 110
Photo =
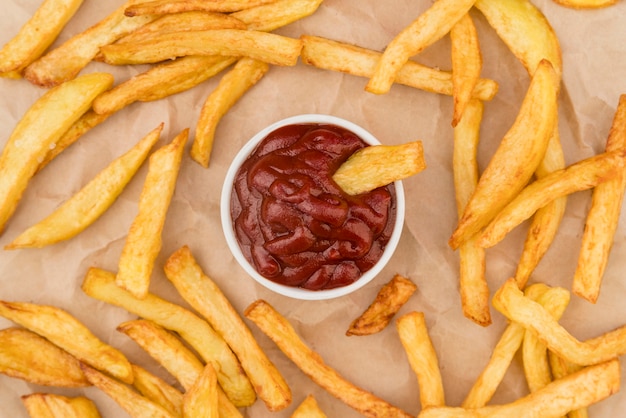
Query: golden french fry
430 26
233 85
28 356
279 330
40 127
473 285
161 7
387 303
100 284
88 204
586 4
37 34
70 334
49 405
263 46
510 301
350 59
308 409
582 175
602 218
586 387
378 165
205 296
133 403
518 155
201 400
414 337
158 390
276 14
143 242
174 356
561 368
67 60
467 63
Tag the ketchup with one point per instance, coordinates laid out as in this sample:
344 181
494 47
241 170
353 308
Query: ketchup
294 223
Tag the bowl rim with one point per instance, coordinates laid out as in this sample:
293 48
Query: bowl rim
227 229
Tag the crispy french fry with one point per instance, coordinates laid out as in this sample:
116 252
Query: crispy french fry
268 47
473 285
49 405
586 4
37 34
518 155
279 330
358 61
70 334
602 218
276 14
100 284
582 175
143 242
201 400
28 356
40 127
67 60
171 353
430 26
161 7
133 403
561 368
510 301
233 85
205 296
378 165
308 409
414 337
387 303
467 63
158 390
88 204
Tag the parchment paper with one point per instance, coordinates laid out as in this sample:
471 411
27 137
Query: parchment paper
594 54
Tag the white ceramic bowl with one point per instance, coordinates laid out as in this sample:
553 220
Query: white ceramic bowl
227 224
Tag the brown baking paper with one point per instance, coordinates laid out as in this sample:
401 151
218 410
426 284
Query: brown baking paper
594 54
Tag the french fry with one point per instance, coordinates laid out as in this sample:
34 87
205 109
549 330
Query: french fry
467 63
586 387
276 14
473 285
49 405
70 334
279 330
161 7
28 356
579 176
602 219
414 337
88 204
233 85
201 400
430 26
37 34
308 408
175 357
100 284
204 295
387 303
67 60
133 403
378 165
586 4
40 127
518 155
510 301
158 390
268 47
143 242
561 368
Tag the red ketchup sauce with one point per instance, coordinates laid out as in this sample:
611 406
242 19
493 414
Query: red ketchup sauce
294 223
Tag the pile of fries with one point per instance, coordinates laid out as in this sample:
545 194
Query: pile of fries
220 354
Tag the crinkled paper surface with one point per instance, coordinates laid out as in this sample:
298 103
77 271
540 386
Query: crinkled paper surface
594 55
